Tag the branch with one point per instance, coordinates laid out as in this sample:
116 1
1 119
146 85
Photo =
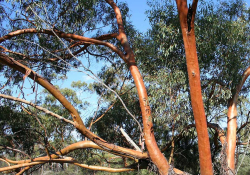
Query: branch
242 126
99 118
67 36
177 137
37 107
232 122
219 130
129 139
66 150
23 170
5 161
78 123
66 160
16 150
154 152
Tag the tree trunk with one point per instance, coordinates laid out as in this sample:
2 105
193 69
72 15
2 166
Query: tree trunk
186 16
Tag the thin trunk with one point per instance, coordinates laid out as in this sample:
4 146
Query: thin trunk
154 152
232 123
187 16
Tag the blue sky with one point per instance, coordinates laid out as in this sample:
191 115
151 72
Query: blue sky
137 9
139 20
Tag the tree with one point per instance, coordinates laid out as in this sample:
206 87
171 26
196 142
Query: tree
49 37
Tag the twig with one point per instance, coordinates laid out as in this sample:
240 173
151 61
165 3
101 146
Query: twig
38 107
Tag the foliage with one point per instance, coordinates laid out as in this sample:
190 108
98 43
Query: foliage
222 40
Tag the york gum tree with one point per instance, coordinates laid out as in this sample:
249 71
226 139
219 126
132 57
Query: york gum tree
122 48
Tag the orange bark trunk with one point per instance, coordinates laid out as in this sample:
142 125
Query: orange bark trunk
186 16
154 152
232 123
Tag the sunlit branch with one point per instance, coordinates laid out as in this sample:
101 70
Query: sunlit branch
66 150
63 35
114 149
5 161
99 168
232 122
129 139
23 170
154 152
66 160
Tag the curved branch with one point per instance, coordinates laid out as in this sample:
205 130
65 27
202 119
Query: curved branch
242 126
16 150
219 130
78 123
5 161
60 34
154 152
66 160
66 150
62 152
232 122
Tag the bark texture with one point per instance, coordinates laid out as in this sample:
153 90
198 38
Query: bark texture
232 123
186 16
154 152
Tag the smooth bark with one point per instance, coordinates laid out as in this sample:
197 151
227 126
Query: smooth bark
4 59
187 16
232 123
154 152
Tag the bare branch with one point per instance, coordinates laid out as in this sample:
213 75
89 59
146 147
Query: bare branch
16 150
129 139
65 36
37 107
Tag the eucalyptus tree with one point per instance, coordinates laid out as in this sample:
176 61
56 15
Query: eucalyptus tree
222 40
46 38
